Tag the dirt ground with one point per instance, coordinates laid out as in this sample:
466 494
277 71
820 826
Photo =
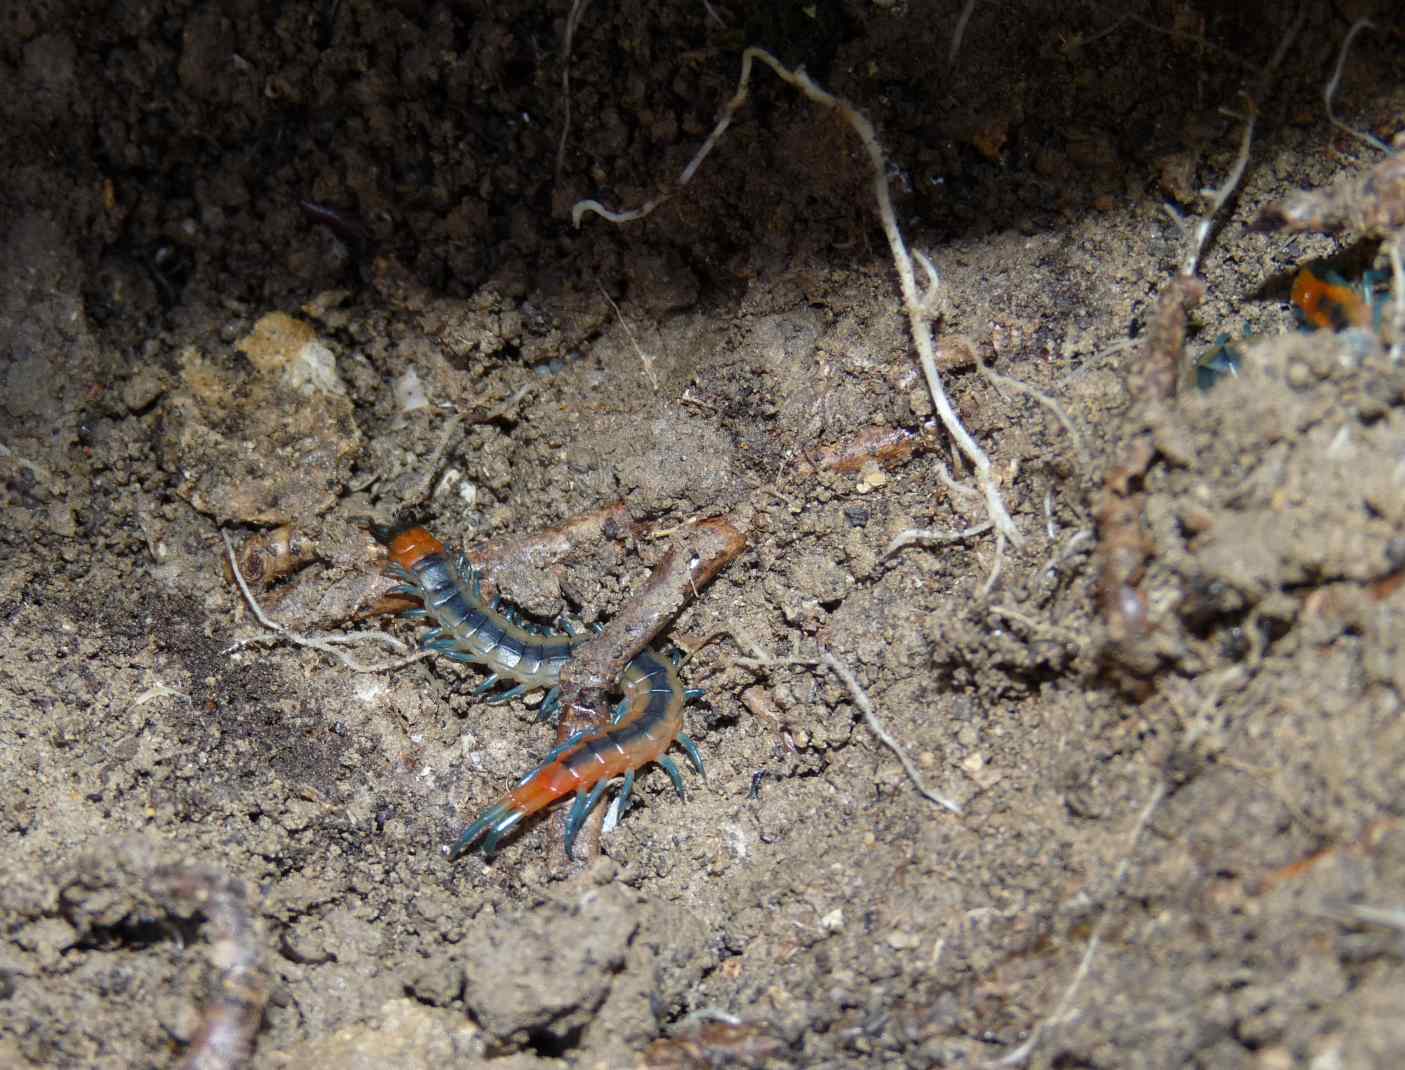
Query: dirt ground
314 265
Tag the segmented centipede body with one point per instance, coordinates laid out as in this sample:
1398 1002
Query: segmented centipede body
470 630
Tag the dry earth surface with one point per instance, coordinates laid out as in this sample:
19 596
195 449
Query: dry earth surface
313 264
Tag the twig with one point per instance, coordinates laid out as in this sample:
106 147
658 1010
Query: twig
760 659
325 643
1060 1012
231 1020
916 304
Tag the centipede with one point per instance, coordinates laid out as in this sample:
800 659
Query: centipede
1328 302
470 629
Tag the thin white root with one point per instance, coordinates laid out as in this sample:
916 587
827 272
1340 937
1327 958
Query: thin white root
915 303
1201 225
1330 89
959 33
1363 914
580 208
1061 1012
931 536
996 566
994 377
952 485
573 20
834 665
327 643
759 659
644 358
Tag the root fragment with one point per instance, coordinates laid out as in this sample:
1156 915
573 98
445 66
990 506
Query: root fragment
231 1020
759 659
327 642
917 303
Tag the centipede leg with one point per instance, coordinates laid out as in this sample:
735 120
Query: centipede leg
508 695
551 756
232 1017
617 714
691 749
580 810
622 799
671 768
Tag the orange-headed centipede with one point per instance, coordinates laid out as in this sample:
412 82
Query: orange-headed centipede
1329 302
470 630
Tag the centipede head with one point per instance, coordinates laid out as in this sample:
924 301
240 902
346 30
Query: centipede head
406 545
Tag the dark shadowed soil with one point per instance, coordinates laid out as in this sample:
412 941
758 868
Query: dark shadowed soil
313 264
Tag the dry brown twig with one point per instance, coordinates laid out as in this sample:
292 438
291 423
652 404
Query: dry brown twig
232 1017
918 303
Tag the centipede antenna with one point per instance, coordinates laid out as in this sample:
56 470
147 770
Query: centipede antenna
671 768
691 750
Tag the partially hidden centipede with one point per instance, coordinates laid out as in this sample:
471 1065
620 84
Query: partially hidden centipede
469 629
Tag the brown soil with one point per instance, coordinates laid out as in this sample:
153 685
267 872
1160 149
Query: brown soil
1178 813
